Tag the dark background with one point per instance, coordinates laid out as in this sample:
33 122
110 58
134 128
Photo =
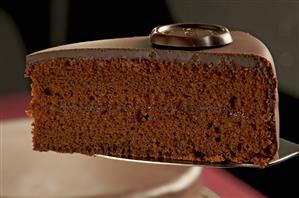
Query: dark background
28 26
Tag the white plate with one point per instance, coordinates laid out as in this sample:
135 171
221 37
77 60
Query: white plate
27 173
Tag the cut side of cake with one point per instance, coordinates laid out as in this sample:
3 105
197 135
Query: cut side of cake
125 98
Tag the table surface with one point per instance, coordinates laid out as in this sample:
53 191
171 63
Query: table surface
218 180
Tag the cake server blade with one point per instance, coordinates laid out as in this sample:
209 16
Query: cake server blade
287 150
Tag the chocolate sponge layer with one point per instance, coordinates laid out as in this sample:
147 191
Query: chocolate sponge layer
149 109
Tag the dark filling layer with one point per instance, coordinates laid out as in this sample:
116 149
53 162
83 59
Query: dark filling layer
153 110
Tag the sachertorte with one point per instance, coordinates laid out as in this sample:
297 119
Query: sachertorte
129 98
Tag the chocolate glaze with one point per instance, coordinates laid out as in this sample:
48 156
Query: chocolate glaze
140 47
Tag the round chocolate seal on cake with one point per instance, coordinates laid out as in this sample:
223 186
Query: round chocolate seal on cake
190 35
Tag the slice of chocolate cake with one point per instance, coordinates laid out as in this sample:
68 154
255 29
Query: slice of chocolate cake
128 98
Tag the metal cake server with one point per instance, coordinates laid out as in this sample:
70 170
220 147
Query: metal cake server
286 151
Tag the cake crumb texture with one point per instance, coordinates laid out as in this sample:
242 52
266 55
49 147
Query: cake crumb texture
158 110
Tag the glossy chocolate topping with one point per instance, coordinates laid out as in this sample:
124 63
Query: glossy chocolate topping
140 47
